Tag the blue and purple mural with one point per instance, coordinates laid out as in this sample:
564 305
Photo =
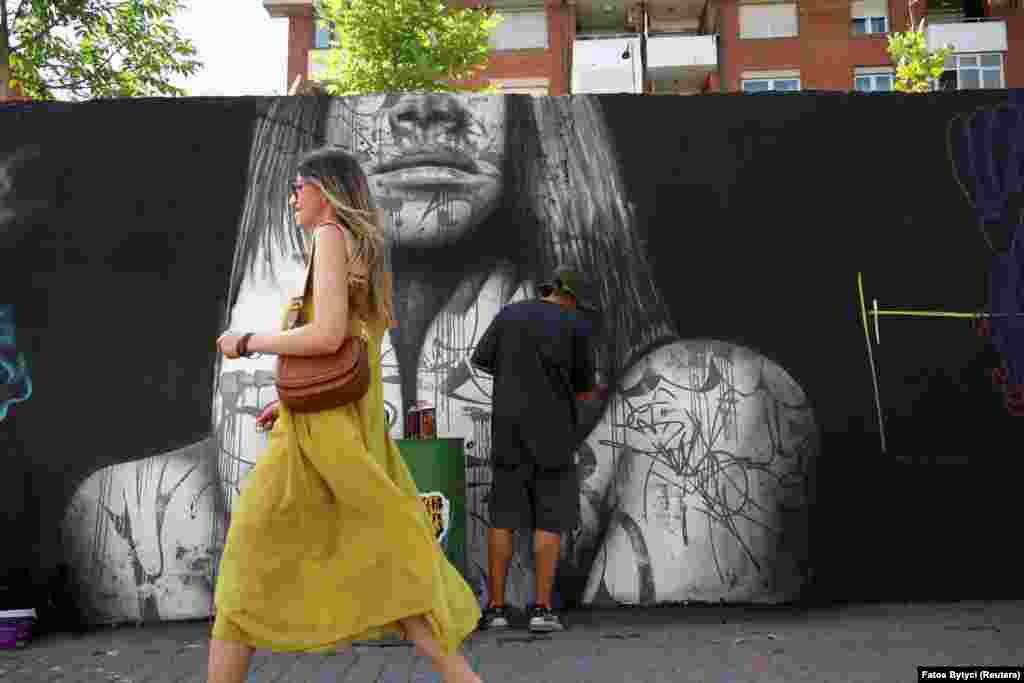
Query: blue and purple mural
15 382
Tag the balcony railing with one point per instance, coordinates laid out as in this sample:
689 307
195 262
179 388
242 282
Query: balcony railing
968 35
954 17
671 56
607 63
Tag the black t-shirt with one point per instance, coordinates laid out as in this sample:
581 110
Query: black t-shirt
539 355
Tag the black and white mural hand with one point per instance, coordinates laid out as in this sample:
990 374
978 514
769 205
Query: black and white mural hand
696 482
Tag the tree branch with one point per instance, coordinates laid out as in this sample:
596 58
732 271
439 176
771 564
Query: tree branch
5 52
910 12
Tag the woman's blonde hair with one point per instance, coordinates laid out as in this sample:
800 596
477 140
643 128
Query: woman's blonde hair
343 183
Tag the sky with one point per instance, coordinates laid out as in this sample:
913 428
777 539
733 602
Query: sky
243 50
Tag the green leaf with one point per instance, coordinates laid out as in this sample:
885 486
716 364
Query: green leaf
378 52
916 65
82 49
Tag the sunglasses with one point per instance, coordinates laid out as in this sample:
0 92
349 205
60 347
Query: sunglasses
296 187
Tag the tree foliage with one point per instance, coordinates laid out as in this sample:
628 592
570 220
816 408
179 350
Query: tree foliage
917 67
82 49
403 45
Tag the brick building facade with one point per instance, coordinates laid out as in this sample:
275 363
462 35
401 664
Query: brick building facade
559 47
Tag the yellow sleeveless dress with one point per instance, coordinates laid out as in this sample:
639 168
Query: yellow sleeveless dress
329 542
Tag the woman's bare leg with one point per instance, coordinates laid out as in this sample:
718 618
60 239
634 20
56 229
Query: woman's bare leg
229 661
453 668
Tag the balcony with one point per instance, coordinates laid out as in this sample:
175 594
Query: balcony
607 63
966 35
683 59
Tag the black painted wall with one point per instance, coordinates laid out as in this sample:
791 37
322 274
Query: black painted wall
117 261
759 212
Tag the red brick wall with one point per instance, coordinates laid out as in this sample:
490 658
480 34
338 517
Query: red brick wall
561 37
301 33
825 51
554 63
519 64
1013 60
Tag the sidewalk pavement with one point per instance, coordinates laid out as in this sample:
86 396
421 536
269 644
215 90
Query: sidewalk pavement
720 644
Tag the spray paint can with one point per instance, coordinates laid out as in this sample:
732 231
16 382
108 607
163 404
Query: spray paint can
412 423
421 422
428 422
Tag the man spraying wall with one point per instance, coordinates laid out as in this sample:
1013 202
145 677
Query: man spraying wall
539 354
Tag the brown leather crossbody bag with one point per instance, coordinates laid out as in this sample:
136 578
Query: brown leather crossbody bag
308 384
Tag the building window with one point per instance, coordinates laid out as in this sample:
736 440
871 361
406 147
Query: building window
324 37
863 26
870 17
776 20
873 80
521 31
973 72
771 84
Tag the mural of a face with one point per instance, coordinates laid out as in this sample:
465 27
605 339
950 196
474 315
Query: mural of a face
698 523
433 160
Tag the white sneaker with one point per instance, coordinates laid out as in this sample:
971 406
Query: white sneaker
543 620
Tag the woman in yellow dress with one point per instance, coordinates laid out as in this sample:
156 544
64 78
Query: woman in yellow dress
329 542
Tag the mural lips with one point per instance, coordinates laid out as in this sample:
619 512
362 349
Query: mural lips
427 169
426 157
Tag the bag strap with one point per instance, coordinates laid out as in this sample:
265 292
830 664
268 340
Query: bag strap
295 306
307 286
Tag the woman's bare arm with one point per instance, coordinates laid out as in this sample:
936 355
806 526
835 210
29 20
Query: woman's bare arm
330 292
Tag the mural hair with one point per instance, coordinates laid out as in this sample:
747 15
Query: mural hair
290 127
575 189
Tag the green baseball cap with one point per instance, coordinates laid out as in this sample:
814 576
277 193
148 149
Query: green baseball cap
568 280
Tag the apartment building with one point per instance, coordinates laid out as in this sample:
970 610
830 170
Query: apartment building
841 45
559 47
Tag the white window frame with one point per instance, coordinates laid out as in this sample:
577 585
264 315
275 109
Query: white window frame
872 74
869 21
750 35
511 37
771 80
957 68
869 12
